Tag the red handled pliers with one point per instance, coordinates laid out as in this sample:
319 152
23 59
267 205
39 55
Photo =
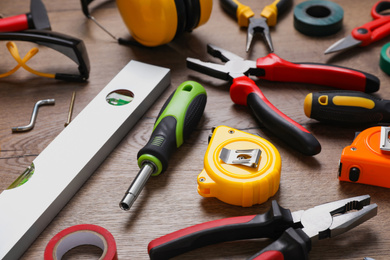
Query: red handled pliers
367 33
295 232
244 91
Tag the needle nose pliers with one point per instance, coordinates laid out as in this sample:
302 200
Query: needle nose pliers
294 232
245 18
244 90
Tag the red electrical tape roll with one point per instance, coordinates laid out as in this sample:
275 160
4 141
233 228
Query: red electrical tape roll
78 235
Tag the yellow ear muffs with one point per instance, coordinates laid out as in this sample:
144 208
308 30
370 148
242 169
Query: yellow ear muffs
157 22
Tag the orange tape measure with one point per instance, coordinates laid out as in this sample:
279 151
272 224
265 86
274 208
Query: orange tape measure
367 159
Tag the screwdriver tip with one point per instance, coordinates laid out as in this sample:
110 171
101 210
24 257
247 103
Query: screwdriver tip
127 201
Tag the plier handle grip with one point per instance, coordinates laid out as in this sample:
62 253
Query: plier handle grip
294 232
244 90
245 18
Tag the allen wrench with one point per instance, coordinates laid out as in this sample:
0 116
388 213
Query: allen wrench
33 116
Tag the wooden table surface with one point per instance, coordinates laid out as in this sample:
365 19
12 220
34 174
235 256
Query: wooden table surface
170 201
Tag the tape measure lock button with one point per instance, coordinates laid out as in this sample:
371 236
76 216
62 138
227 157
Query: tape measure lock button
239 168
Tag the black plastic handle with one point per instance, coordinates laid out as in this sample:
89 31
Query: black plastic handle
347 107
230 7
283 5
244 91
271 224
277 69
293 244
175 122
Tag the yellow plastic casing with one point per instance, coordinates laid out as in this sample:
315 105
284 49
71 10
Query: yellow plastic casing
154 22
243 14
206 7
238 184
270 12
150 22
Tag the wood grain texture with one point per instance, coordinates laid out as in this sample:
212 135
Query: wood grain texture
170 202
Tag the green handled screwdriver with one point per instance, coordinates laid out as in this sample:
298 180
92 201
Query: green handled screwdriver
347 107
176 120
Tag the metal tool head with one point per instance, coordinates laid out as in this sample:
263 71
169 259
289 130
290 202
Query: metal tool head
258 26
343 44
234 67
39 15
334 218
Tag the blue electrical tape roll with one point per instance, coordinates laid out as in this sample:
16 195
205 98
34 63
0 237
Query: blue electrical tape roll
318 17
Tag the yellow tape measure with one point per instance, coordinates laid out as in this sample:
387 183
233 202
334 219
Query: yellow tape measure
239 168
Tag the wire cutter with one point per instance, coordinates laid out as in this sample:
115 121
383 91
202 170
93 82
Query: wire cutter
367 33
245 18
244 91
294 232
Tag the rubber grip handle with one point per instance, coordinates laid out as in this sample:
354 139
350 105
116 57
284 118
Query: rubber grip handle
372 31
239 11
271 12
229 6
378 8
347 107
245 92
277 69
283 5
268 225
175 122
293 244
14 23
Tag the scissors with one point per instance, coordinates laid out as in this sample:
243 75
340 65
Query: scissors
367 33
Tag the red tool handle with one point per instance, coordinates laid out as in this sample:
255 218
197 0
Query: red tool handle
188 235
268 225
277 69
293 244
244 91
376 29
372 31
14 23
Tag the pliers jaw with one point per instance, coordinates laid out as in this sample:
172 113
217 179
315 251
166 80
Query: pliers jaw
234 67
332 219
259 26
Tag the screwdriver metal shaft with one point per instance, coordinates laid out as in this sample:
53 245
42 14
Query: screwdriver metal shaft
136 186
177 119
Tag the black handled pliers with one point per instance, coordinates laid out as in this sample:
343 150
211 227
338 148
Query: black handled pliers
245 18
244 90
294 232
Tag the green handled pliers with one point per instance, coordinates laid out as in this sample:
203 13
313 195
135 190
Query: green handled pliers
245 18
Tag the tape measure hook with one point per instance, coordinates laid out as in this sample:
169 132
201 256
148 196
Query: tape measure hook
249 157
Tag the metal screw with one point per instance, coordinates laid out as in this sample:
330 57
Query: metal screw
353 148
202 179
231 131
70 109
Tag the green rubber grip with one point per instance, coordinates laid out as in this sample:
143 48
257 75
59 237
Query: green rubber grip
177 119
